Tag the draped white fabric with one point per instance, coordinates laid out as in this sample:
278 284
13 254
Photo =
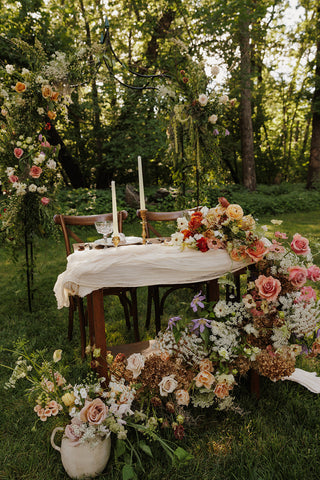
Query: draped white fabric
139 265
308 380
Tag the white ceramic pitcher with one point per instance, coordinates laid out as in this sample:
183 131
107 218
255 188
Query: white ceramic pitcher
83 460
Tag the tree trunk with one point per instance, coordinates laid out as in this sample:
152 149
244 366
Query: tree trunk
246 130
314 164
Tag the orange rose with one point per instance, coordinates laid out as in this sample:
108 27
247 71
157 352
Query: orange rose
257 251
46 91
54 96
234 211
204 379
183 397
20 87
206 365
222 390
51 115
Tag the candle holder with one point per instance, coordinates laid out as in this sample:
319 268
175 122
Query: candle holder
116 240
143 214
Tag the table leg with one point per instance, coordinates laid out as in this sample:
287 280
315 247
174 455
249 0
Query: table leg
97 330
213 290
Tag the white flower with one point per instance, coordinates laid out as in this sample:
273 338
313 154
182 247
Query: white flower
177 238
215 70
42 189
276 222
10 171
223 99
213 118
20 188
32 187
40 111
223 353
250 329
4 111
57 355
135 364
51 164
83 393
182 223
39 159
25 72
203 100
167 385
9 69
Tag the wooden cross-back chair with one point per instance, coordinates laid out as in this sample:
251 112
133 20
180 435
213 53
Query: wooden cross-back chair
67 223
211 287
153 218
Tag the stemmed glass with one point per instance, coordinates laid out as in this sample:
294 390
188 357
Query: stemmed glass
105 228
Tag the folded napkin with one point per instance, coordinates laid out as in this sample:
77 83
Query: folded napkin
308 380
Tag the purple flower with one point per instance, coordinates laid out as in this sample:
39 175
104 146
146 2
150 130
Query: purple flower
197 302
215 132
226 133
201 323
172 322
40 137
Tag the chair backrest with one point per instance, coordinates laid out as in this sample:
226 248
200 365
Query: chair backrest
65 221
160 217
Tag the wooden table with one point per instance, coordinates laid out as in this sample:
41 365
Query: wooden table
88 272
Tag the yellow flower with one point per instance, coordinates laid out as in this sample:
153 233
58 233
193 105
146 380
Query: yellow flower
68 399
20 87
96 353
57 355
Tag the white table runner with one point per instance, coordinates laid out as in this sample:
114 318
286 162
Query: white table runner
139 265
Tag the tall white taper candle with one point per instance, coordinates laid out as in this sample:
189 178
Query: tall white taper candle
141 189
114 209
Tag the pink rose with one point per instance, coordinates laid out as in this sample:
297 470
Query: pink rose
167 385
300 245
35 171
18 152
307 295
280 235
257 250
73 432
45 200
94 412
313 273
297 276
269 287
135 364
183 397
13 179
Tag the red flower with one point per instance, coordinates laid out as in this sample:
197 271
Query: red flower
185 80
179 432
195 221
202 244
48 126
186 234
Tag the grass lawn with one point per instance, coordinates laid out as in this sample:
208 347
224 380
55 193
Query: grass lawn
274 438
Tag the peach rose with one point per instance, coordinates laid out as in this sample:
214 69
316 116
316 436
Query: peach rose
51 115
204 379
135 364
206 364
35 171
54 96
313 273
297 276
257 251
234 211
183 397
300 245
167 385
20 87
247 222
94 412
222 390
269 287
46 91
238 254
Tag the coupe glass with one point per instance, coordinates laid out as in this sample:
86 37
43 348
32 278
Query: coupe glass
105 228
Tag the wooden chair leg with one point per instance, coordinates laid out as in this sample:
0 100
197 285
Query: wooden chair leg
157 314
72 308
134 313
126 305
149 306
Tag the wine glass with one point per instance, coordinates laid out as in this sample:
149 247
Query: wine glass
105 228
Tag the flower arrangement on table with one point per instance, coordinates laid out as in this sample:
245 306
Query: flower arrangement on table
223 227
